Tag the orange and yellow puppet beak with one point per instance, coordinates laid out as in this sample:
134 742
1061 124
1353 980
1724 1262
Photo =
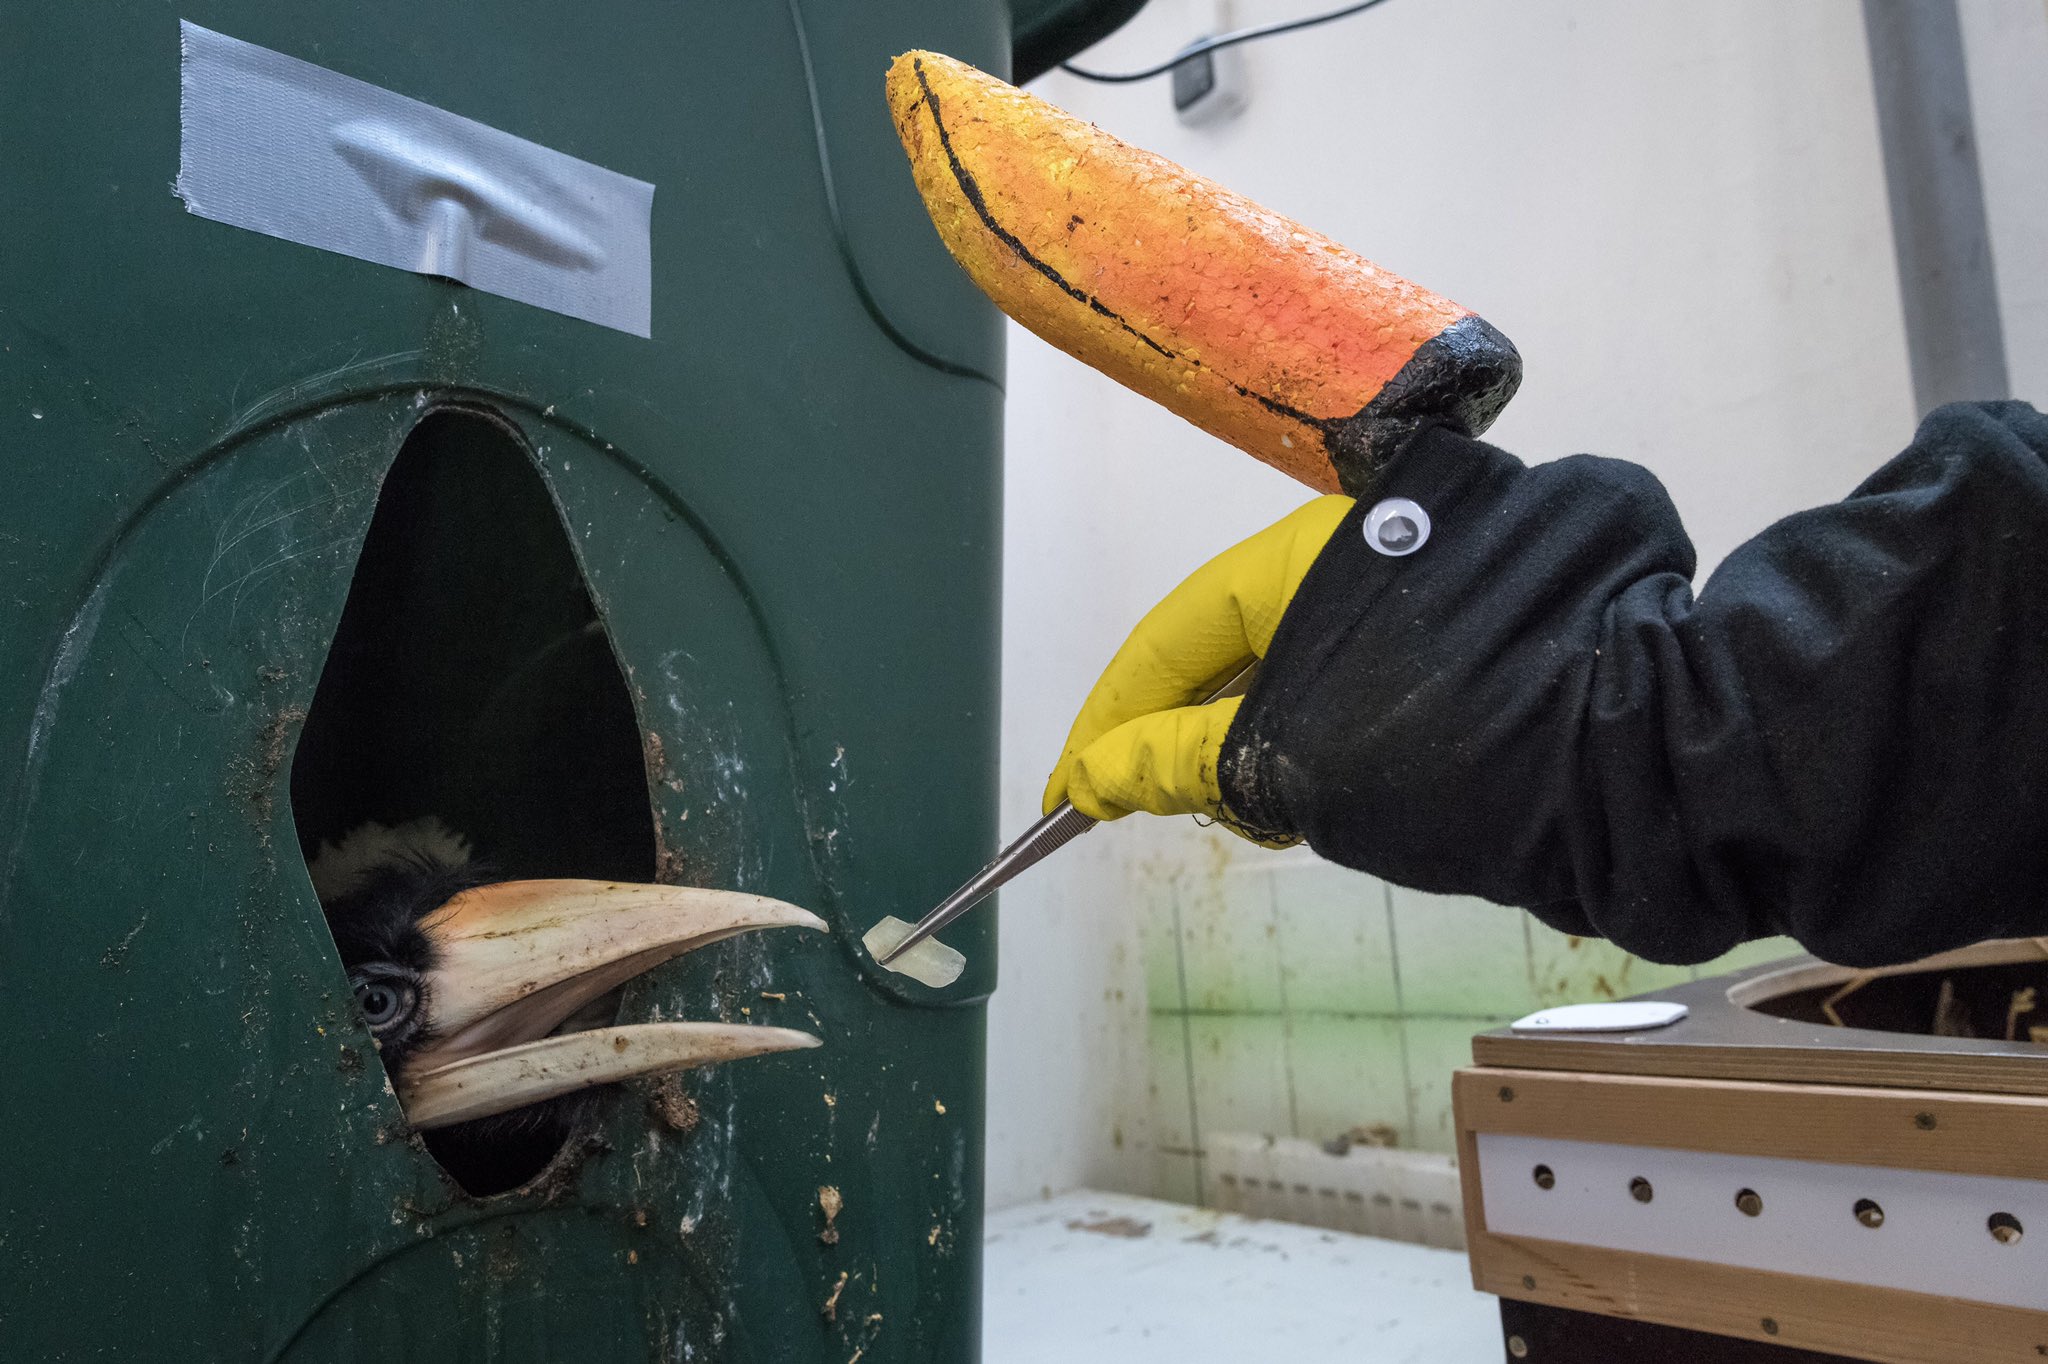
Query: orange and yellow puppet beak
1263 333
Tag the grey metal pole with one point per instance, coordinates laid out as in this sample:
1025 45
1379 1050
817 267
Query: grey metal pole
1954 341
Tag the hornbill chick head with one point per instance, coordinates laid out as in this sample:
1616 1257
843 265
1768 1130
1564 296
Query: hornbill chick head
467 984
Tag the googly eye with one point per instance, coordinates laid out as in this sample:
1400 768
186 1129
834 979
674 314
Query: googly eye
1396 527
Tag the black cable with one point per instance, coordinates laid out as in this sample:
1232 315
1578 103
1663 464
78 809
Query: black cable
1243 35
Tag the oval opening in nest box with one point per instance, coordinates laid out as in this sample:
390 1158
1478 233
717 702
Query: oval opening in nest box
472 724
1995 991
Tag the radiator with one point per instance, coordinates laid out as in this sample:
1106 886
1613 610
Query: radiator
1370 1190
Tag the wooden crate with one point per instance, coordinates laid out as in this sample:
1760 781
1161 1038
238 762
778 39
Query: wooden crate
1757 1172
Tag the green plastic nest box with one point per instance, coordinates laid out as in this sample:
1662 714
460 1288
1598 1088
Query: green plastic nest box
292 540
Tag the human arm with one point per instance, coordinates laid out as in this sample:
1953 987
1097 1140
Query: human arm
1843 738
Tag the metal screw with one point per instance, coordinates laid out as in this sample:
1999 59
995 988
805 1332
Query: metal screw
1750 1202
1924 1121
1518 1347
1770 1326
1545 1177
1639 1189
1868 1213
2005 1229
1528 1281
1507 1094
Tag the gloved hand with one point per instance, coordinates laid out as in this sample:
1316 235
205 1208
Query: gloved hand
1139 743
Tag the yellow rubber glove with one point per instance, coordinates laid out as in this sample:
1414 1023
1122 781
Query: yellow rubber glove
1138 743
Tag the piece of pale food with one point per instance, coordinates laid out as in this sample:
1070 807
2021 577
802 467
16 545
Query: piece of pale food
1626 1015
930 962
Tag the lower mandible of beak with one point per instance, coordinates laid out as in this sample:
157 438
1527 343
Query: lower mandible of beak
499 1081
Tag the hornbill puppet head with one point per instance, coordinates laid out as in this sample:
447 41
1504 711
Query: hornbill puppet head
488 999
1258 330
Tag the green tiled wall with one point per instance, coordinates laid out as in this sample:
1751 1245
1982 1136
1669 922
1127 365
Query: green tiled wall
1290 996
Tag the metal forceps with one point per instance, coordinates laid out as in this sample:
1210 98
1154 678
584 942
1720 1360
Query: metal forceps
1038 842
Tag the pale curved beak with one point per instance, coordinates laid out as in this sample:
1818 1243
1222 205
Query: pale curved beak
515 1076
516 960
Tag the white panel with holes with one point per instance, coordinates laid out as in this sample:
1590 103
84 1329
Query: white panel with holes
1962 1236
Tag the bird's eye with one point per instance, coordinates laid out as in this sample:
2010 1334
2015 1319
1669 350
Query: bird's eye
385 1002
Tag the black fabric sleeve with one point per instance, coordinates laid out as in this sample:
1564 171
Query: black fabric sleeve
1843 738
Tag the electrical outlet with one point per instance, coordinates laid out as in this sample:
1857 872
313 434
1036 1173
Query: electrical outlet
1210 88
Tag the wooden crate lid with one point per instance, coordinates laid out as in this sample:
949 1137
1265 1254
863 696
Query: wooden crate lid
1723 1038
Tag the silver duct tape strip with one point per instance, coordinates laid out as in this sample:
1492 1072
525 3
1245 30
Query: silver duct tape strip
292 150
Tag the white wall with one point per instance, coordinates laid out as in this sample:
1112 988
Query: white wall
2006 46
1678 214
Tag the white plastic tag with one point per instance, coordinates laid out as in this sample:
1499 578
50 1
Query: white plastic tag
1627 1015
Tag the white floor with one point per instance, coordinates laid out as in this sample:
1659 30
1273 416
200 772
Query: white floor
1094 1276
